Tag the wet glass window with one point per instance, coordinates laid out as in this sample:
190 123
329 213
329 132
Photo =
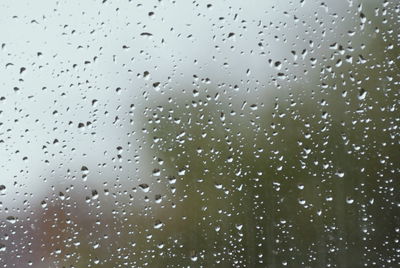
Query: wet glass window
172 133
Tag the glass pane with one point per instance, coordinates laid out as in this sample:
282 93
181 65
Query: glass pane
199 134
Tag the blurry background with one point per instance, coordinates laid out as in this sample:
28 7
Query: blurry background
199 134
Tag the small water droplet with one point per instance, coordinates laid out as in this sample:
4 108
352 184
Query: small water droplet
145 187
11 219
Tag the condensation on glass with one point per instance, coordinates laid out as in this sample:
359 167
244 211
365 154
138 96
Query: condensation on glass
199 134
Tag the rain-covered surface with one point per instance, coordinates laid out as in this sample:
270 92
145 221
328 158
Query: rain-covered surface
199 134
